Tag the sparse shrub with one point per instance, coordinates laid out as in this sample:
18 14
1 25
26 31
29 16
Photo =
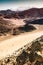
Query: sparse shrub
7 60
36 46
21 59
38 63
16 32
4 29
26 28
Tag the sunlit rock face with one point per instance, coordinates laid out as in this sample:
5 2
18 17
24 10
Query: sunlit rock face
27 55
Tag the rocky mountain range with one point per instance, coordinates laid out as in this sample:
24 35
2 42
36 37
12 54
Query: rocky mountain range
33 12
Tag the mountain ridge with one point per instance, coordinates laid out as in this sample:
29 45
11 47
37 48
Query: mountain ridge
33 12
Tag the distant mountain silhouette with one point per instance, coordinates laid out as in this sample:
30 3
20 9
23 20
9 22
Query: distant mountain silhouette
38 21
33 12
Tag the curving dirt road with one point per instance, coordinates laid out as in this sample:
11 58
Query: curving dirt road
9 46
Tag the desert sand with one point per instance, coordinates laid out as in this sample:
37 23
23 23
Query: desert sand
9 46
16 22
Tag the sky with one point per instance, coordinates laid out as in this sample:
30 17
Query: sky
20 4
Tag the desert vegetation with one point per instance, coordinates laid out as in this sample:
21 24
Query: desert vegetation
7 27
3 30
22 29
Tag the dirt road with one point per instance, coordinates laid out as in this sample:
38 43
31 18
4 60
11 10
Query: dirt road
7 47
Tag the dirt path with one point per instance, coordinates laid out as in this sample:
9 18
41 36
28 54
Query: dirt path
7 47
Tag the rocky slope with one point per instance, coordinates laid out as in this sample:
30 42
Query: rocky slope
28 55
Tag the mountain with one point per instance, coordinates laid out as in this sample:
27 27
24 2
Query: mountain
38 21
33 12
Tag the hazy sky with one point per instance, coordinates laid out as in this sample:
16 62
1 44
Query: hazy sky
20 4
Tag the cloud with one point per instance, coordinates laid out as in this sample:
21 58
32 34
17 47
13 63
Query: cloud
25 4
